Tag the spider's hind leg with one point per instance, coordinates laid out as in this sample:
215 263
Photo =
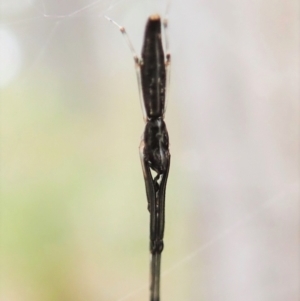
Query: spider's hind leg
137 61
167 59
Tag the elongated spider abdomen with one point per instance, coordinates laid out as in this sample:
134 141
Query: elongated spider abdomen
153 70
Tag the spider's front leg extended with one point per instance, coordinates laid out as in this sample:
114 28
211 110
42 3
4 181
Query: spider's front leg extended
155 190
149 183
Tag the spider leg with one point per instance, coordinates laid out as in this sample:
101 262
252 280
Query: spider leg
157 235
127 39
156 205
161 194
149 183
137 62
156 202
167 60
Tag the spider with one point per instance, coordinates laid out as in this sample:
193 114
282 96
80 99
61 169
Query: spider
153 68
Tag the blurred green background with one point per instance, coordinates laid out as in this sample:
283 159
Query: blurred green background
74 219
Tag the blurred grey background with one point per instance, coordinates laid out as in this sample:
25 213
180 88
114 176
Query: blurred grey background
74 220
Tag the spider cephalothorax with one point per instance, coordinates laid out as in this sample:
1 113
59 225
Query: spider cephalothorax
156 145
